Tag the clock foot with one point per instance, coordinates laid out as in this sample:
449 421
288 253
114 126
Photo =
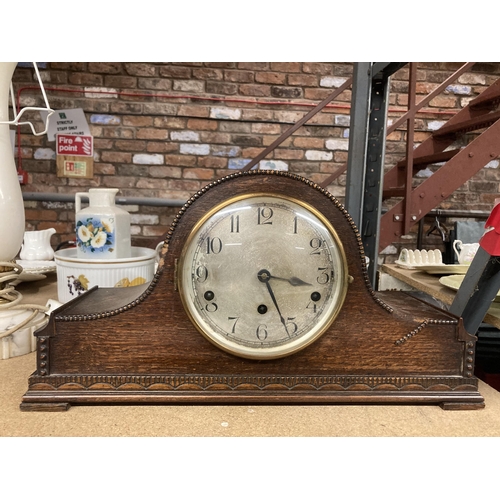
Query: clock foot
462 406
44 406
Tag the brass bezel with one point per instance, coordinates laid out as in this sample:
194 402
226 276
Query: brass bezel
286 349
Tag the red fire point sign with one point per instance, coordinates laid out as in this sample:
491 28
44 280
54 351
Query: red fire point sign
75 145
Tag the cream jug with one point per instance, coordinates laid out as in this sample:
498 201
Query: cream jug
465 251
36 245
102 229
12 220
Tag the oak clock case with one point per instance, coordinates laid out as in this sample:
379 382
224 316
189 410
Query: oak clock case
261 297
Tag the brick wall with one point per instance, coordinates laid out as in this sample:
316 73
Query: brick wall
164 130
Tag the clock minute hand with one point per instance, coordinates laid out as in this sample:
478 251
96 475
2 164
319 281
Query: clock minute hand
264 276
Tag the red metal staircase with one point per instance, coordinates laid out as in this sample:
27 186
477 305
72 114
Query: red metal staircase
460 163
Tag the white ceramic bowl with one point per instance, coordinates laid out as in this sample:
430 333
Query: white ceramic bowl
75 276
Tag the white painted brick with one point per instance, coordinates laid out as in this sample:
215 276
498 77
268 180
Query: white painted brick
337 191
195 149
225 113
230 151
52 205
100 93
343 120
45 76
26 101
144 159
135 230
144 219
342 144
389 250
129 208
44 154
185 135
332 81
472 79
459 89
105 119
492 164
273 165
464 101
435 125
318 155
425 173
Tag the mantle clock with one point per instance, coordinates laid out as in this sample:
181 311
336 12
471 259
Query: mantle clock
261 297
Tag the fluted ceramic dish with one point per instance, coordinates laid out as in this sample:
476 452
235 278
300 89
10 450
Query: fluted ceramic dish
75 276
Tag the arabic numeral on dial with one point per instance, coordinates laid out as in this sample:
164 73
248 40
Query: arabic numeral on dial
325 275
312 305
235 223
290 326
211 307
316 244
201 274
214 245
262 332
265 214
235 319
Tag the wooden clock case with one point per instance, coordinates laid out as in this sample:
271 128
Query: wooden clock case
137 345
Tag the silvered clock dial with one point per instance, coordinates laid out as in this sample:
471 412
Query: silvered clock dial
262 276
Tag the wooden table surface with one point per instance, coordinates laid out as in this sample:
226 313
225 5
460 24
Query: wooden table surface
429 284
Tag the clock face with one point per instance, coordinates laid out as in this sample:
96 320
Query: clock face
262 276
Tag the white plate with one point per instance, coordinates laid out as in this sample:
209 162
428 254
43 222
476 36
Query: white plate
404 265
445 269
454 282
434 268
37 266
28 277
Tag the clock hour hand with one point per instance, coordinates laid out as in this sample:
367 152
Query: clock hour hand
293 281
264 277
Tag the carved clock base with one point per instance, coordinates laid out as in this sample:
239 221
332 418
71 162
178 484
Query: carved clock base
58 393
138 345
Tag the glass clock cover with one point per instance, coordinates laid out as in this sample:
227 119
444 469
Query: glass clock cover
262 276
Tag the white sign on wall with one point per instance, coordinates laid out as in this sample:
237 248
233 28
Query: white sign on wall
66 121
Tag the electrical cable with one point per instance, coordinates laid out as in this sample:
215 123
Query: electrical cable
10 299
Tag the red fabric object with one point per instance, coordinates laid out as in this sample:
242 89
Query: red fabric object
490 241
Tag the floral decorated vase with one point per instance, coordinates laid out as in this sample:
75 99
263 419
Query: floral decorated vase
102 229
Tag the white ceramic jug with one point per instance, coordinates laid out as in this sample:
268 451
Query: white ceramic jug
465 251
12 220
102 229
37 246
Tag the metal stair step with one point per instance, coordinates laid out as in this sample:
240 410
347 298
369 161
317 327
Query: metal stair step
396 192
476 123
423 161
